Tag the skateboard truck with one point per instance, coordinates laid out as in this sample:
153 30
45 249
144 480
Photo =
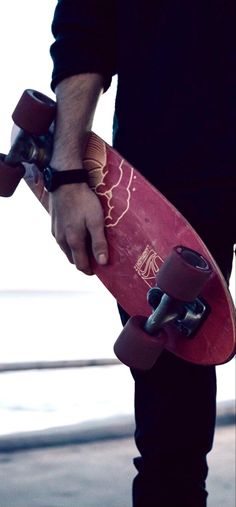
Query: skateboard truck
33 143
175 301
186 317
31 149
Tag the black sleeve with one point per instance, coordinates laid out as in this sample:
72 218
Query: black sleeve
85 39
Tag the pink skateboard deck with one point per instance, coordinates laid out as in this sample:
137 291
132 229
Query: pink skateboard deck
142 228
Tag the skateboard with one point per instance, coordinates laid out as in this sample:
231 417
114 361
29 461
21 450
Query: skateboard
159 270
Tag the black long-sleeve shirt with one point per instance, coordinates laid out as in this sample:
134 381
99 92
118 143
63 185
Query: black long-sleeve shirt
175 116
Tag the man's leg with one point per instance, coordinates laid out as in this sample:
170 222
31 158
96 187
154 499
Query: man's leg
175 420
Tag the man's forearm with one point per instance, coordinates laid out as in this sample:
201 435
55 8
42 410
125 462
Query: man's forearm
77 99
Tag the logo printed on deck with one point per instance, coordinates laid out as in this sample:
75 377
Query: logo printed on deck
147 265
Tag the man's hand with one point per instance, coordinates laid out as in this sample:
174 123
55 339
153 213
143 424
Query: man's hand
77 216
78 225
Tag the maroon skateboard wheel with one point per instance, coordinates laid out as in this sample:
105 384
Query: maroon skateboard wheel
184 274
136 348
34 112
10 176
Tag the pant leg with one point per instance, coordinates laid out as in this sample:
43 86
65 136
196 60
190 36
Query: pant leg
175 407
175 419
175 402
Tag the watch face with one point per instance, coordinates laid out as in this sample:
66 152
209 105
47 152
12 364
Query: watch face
47 177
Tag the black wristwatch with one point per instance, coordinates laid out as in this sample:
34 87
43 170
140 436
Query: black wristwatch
53 178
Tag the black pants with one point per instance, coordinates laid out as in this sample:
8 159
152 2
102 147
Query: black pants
175 402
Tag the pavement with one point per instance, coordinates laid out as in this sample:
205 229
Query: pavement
90 465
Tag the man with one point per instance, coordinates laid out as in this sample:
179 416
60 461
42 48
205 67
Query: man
175 121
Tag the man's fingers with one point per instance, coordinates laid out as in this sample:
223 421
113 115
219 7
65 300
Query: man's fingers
77 252
78 226
74 247
67 251
77 243
99 245
81 245
81 261
100 251
62 243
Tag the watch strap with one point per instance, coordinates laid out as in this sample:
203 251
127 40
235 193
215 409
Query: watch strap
54 178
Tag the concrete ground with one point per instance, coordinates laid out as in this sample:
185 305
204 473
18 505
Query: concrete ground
96 471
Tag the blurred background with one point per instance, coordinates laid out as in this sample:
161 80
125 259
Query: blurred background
50 312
